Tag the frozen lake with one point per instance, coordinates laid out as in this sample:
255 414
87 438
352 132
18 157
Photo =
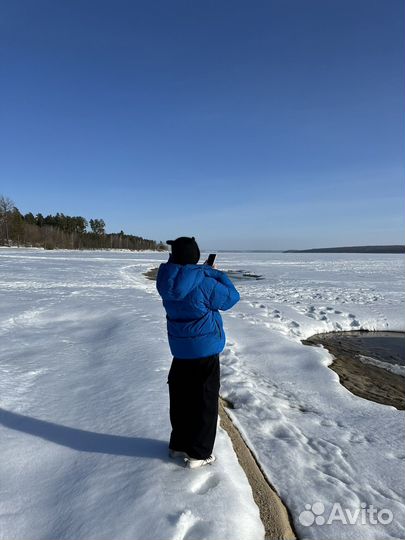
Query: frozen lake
84 409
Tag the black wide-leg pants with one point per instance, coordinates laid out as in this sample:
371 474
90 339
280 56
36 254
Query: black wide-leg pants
194 391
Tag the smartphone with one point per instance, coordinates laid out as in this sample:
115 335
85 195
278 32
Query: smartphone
211 259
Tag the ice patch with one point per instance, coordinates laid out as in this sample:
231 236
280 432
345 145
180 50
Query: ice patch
393 368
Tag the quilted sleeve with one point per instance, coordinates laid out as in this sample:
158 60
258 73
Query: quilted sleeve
220 292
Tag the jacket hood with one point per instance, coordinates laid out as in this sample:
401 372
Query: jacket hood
176 281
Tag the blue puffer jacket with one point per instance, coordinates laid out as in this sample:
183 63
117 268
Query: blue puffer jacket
192 295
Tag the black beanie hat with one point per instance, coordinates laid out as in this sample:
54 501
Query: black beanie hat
185 250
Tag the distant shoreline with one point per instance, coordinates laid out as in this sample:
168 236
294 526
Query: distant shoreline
344 249
352 249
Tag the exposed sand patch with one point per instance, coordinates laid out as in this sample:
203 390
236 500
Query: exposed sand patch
273 513
363 380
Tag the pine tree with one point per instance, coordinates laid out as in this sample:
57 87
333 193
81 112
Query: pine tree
6 208
97 226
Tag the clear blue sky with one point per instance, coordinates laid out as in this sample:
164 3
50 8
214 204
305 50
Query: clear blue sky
253 125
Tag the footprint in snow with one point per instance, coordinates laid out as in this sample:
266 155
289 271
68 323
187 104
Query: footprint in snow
201 529
293 324
327 423
357 438
204 484
184 522
310 312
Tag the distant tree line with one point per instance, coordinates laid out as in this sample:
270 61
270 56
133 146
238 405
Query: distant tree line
63 232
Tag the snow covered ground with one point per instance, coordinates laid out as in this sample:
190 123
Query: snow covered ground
84 406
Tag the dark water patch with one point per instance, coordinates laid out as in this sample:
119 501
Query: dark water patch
376 378
243 275
238 275
384 346
151 274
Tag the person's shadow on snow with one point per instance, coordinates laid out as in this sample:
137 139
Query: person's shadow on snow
85 441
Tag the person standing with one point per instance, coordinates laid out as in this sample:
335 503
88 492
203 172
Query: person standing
193 294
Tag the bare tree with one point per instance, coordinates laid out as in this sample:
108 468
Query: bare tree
6 208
